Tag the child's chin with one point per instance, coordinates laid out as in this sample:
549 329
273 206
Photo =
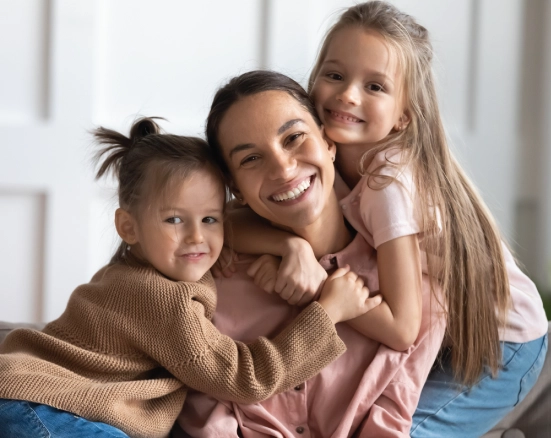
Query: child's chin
339 135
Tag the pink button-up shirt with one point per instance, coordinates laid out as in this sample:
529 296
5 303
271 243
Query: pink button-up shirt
371 390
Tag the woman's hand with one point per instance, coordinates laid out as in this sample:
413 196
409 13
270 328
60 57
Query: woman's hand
297 277
300 276
345 297
264 272
224 265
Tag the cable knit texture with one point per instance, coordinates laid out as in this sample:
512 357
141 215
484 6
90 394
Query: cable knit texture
131 342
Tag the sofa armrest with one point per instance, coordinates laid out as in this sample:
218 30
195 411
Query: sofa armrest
6 327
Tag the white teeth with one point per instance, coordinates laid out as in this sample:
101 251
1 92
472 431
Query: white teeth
292 194
347 118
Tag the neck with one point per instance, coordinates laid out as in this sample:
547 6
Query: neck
329 234
348 161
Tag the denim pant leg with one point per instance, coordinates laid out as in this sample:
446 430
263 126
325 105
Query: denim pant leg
18 420
21 419
446 408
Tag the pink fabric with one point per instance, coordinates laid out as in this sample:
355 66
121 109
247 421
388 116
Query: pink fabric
383 215
370 390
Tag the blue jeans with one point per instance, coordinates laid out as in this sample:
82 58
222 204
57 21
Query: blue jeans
21 419
448 409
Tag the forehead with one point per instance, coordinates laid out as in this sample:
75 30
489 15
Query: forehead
366 47
199 187
254 117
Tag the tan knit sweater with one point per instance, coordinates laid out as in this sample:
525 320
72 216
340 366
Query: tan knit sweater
131 343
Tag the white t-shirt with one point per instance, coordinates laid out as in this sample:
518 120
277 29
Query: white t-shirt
392 212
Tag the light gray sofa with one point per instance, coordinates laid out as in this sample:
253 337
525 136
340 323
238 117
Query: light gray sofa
530 419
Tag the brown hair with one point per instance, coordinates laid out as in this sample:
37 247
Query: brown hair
469 264
148 162
248 84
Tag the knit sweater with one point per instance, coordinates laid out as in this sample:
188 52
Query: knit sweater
132 342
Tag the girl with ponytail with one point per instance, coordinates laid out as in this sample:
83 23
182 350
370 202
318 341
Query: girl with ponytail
120 359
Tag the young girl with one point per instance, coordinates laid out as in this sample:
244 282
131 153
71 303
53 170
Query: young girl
122 356
373 89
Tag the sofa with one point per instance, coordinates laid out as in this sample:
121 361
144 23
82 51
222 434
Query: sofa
530 419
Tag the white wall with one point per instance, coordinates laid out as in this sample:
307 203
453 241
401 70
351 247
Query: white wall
67 66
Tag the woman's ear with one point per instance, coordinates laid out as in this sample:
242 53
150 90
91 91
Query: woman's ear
126 226
237 194
332 147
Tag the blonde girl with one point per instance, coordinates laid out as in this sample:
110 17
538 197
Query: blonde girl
373 89
120 359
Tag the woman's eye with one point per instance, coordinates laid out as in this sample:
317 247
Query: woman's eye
374 87
174 220
209 220
249 159
294 137
334 76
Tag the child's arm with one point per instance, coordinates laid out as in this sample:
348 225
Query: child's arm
194 351
396 322
300 276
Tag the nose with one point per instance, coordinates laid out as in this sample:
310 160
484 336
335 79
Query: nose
349 94
194 234
282 165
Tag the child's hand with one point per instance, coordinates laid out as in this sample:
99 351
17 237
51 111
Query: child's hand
224 265
264 272
300 276
345 297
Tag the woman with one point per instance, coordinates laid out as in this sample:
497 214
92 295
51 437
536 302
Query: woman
269 141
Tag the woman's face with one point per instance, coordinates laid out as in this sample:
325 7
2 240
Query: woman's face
281 164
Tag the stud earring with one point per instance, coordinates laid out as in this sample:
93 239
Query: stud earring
333 158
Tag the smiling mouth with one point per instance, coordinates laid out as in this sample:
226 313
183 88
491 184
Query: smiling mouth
344 117
193 255
295 192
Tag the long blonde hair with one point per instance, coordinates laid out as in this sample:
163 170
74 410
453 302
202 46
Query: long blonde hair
470 265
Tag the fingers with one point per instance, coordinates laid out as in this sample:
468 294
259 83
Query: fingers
372 302
281 283
255 266
264 272
340 272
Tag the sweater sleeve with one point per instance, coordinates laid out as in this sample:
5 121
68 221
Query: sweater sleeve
189 346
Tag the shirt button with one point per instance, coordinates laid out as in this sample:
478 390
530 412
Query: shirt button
298 387
300 429
343 207
333 260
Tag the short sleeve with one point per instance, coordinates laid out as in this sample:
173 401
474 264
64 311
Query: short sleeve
390 211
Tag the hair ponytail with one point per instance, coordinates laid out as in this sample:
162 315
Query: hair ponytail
118 145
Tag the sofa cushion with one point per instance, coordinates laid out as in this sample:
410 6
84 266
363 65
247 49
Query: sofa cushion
6 327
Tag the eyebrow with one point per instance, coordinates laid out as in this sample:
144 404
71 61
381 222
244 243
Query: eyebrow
288 124
179 210
281 130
